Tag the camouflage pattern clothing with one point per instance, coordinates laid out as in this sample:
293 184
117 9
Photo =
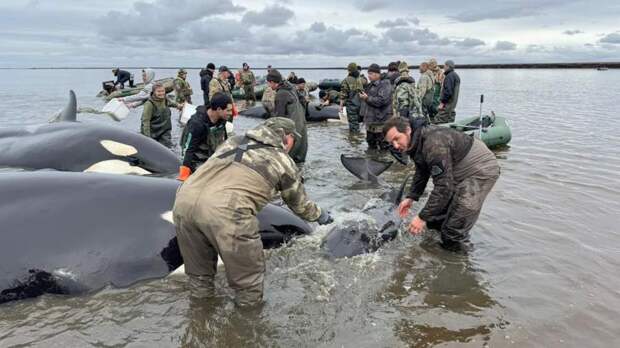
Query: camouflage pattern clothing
287 105
333 96
426 93
215 209
406 102
269 100
182 90
463 172
219 85
350 88
248 81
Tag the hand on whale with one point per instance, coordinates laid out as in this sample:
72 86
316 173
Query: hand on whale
67 233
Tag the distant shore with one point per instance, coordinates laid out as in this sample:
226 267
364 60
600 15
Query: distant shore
589 65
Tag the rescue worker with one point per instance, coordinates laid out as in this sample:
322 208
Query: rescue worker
215 209
292 78
376 107
392 72
182 90
463 170
206 75
426 91
205 131
449 94
156 122
302 90
350 89
221 84
269 99
248 81
329 97
133 101
438 78
362 76
405 100
122 76
287 105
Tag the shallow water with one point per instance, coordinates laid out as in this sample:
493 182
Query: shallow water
543 270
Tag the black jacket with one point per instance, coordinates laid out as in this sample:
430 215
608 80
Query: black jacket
205 78
201 137
436 150
451 84
122 76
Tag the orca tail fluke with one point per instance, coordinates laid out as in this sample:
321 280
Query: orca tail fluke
365 168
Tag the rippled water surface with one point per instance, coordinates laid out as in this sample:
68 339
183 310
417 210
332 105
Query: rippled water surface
543 270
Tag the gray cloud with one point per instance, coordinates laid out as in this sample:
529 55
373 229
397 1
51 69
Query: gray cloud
372 5
505 46
506 9
270 16
318 27
420 36
161 18
398 22
613 38
572 32
469 42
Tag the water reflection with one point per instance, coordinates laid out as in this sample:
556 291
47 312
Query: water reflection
440 296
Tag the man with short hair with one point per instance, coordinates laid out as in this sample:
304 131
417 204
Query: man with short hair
215 209
248 81
206 75
463 171
376 107
350 90
205 131
287 104
426 90
449 94
220 84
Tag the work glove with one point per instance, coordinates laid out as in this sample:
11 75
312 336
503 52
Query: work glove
184 173
325 218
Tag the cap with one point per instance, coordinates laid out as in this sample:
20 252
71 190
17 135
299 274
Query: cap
352 67
182 72
449 63
223 68
274 76
374 68
211 66
286 124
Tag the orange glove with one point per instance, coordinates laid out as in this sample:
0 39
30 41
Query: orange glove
184 173
235 112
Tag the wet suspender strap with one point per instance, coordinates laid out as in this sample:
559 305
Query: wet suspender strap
241 149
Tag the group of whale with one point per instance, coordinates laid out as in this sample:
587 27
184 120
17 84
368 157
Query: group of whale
66 232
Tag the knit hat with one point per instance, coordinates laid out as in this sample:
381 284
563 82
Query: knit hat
393 66
211 66
223 68
374 68
274 76
181 72
449 64
283 123
301 80
352 67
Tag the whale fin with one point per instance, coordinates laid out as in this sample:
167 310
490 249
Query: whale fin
69 113
365 168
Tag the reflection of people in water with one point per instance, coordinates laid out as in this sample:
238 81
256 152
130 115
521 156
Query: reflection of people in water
430 283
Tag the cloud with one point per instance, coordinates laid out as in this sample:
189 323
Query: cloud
505 46
372 5
318 27
398 22
270 16
506 9
572 32
469 42
420 36
613 38
160 19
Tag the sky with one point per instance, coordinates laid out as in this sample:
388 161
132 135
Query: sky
295 33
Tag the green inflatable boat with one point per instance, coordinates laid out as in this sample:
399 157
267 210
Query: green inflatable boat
327 84
167 82
495 130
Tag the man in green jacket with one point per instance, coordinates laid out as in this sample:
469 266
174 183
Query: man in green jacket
182 89
248 81
156 123
350 90
426 90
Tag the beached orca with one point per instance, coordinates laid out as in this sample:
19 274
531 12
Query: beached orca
68 233
72 146
380 221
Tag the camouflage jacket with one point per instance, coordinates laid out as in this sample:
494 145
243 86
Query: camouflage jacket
182 90
350 89
269 100
265 157
426 88
406 102
435 152
218 85
247 77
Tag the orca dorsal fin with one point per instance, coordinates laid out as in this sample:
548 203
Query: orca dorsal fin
366 169
69 113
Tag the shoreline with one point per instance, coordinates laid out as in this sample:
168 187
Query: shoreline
590 65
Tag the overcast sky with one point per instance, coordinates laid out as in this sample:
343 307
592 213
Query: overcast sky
305 34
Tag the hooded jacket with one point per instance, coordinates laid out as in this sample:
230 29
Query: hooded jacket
378 107
287 105
406 100
145 93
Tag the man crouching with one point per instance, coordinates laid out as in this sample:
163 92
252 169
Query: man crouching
463 170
